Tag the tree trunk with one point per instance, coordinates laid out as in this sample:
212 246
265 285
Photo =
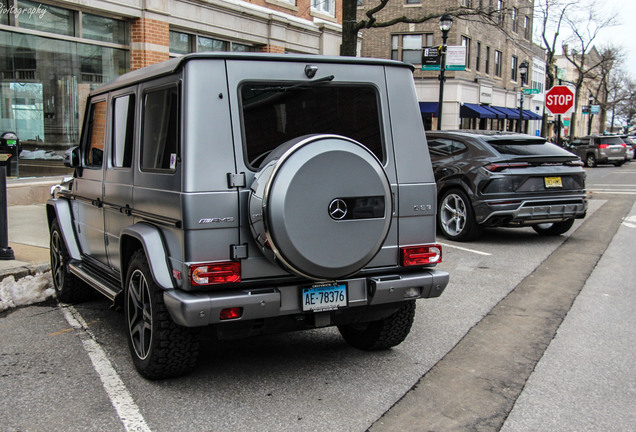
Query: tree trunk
349 45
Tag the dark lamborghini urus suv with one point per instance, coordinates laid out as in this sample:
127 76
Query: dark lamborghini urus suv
500 179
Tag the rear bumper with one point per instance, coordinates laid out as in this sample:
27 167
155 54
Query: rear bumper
201 309
532 211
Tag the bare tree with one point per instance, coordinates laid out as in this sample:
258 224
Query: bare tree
351 25
552 16
627 108
582 57
607 94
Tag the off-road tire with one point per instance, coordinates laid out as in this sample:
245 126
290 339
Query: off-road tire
455 208
68 287
382 334
554 229
590 160
159 347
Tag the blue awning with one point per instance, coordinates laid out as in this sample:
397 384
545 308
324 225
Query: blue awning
533 115
475 111
498 114
512 113
428 108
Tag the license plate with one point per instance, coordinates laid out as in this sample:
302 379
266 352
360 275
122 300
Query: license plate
552 182
324 297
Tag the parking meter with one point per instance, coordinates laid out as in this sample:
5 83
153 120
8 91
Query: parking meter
9 144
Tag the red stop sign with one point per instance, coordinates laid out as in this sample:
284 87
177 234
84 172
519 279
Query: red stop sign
559 99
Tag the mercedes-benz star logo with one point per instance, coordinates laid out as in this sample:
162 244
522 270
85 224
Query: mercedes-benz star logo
337 209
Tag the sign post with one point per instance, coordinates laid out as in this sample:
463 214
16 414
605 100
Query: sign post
559 100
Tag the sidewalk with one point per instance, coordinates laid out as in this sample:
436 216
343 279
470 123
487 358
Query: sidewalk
27 226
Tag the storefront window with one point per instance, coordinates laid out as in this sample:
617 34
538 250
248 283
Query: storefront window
45 83
208 44
46 18
180 43
104 29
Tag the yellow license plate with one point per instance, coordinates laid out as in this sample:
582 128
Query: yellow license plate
553 182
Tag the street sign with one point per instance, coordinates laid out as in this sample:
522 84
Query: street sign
530 91
559 100
455 58
595 109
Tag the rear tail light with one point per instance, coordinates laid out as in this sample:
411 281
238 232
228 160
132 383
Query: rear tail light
603 146
421 255
231 313
497 167
578 162
624 145
215 273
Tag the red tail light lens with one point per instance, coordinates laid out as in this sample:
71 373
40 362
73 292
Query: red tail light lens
231 313
497 167
421 255
603 146
215 273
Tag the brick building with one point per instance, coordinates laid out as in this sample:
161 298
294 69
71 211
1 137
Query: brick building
52 54
486 94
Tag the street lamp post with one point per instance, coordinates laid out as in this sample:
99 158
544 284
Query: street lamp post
589 113
523 73
445 24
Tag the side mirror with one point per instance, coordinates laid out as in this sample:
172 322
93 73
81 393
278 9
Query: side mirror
72 158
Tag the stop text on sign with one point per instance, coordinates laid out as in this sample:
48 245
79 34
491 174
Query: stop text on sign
560 99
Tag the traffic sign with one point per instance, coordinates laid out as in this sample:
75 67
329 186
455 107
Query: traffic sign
530 91
559 100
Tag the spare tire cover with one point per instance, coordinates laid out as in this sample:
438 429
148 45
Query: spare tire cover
321 206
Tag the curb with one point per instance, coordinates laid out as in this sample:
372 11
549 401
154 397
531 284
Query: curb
25 270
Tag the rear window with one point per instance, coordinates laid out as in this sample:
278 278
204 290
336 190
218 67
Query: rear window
276 113
526 147
610 140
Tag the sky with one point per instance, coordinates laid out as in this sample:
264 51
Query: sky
624 33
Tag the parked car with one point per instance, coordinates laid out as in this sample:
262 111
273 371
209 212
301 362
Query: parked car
253 194
499 179
630 150
599 149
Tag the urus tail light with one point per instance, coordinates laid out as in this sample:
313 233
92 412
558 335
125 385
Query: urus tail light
421 255
215 273
500 166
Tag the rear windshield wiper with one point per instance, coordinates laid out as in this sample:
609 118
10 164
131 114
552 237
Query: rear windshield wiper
295 86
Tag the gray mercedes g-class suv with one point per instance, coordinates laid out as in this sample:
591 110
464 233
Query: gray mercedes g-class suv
253 193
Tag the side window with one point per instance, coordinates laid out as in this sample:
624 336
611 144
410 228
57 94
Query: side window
94 151
440 147
123 128
457 147
160 133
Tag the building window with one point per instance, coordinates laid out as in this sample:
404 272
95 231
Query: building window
487 68
407 48
54 20
413 1
185 43
515 13
324 6
514 64
500 17
160 137
526 28
478 57
497 63
45 79
466 3
466 43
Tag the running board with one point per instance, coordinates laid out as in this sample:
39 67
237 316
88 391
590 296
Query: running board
103 284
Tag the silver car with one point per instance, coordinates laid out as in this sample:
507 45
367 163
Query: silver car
599 149
250 193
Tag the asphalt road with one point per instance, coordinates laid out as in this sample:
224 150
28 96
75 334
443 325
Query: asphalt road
70 369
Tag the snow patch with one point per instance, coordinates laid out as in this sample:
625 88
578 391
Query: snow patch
40 154
25 291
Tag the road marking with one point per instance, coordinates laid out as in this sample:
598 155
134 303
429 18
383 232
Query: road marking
119 395
613 191
465 249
